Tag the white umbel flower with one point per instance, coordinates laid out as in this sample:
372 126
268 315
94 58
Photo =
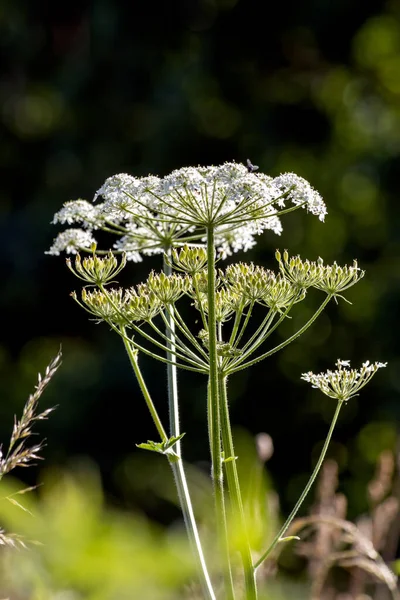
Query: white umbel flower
125 195
71 241
344 383
80 211
151 214
218 196
299 192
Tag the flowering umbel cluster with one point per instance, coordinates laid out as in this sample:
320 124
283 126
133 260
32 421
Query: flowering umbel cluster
151 214
343 383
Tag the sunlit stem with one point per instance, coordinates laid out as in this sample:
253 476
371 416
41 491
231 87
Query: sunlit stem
259 336
180 323
145 335
173 402
177 467
178 343
300 501
133 358
234 492
140 348
170 350
214 420
238 337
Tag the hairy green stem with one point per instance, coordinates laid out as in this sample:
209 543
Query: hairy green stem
177 467
234 492
300 501
215 433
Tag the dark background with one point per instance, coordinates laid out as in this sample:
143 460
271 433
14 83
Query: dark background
93 89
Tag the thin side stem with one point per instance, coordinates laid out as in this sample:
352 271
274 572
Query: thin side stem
140 348
259 337
178 343
234 368
133 354
180 323
300 501
173 403
148 337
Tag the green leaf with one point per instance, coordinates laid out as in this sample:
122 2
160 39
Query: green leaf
163 447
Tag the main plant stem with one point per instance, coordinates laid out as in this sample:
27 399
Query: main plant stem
234 492
214 419
300 501
177 467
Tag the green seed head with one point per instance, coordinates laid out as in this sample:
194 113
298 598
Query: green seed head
336 279
105 307
168 288
141 304
96 270
226 303
190 260
250 283
302 274
282 294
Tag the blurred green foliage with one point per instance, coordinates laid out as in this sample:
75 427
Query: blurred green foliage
86 550
79 548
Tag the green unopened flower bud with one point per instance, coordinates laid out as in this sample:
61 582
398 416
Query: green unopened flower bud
96 270
204 337
226 303
200 282
249 281
335 279
142 304
168 288
282 294
190 260
301 273
106 307
225 349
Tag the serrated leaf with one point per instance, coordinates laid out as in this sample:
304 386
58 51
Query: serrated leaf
172 441
152 446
